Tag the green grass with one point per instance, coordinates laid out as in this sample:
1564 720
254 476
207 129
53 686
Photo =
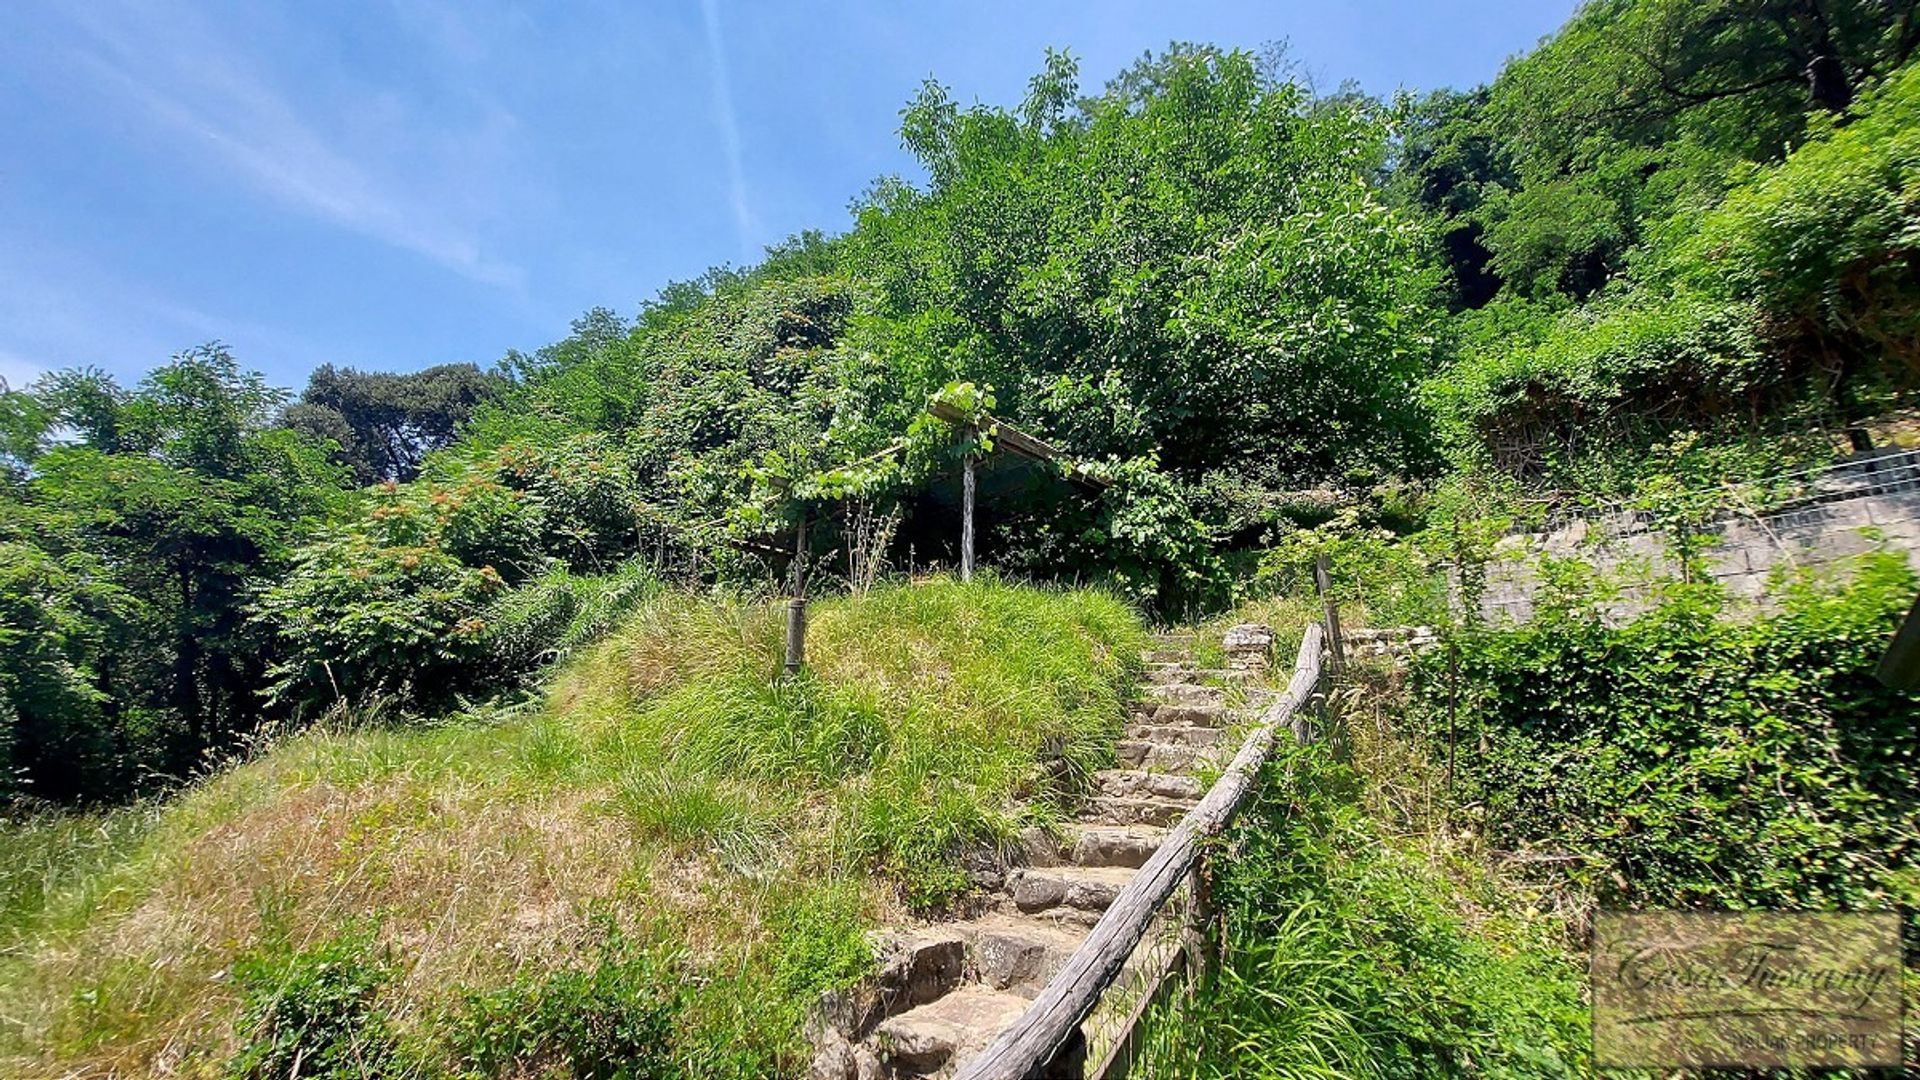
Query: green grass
53 853
672 810
1363 940
1352 954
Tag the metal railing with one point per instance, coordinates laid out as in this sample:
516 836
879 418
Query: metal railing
1087 1019
1787 497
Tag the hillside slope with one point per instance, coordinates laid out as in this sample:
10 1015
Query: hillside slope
662 864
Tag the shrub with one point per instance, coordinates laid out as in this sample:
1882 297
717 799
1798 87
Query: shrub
315 1012
356 617
547 619
1826 240
1688 758
1608 377
615 1017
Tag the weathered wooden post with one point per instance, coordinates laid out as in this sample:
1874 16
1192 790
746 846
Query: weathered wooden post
966 517
797 606
1323 581
1899 666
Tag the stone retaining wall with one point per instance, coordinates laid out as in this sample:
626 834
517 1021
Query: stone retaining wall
1867 504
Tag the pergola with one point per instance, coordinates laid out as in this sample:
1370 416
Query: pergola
1018 445
1012 463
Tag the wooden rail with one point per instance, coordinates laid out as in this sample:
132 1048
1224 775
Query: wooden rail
1052 1023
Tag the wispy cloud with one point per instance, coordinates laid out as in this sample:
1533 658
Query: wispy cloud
17 371
60 308
193 80
729 127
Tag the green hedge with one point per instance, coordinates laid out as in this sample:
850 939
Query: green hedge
1694 758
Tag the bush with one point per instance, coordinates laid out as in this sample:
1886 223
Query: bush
1825 240
1690 759
1602 381
461 582
614 1018
356 618
315 1013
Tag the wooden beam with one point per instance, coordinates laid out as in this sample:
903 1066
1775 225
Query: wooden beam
797 607
1012 439
1323 581
1064 1005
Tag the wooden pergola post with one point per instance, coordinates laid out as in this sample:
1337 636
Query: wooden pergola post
966 518
797 606
1007 439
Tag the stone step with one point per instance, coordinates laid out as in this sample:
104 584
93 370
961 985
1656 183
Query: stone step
1166 656
1177 672
1176 734
1125 811
925 1040
914 967
1166 758
1081 888
1233 676
1138 783
1111 845
1191 715
1185 693
1017 953
1172 639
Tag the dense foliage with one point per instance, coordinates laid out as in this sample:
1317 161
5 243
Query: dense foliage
1673 216
1690 758
1676 244
444 588
126 650
383 424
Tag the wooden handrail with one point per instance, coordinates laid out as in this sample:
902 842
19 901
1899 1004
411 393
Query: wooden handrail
1026 1048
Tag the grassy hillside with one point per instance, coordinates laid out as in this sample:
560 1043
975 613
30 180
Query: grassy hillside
662 863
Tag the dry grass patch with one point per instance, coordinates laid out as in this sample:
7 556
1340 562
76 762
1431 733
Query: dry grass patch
678 841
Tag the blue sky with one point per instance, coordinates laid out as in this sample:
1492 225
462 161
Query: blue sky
396 183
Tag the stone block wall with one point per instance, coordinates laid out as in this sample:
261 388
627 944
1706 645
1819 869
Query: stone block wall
1744 552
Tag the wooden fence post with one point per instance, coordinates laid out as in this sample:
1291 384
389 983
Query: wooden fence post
797 607
966 519
1323 581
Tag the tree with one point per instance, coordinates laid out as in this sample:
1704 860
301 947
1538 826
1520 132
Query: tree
1447 164
386 423
139 544
1195 263
1738 75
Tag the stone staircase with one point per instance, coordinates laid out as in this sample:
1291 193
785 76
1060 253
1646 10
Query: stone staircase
945 990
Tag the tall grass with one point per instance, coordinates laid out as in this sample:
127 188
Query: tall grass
1351 955
673 806
51 853
1360 939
